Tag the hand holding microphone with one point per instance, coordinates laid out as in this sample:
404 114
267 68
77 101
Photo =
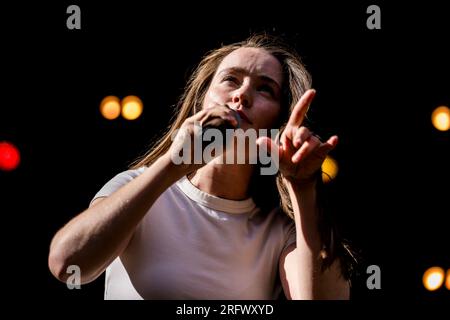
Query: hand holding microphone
197 132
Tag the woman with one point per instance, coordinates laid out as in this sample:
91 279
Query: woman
193 231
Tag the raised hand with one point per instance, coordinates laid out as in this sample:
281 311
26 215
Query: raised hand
301 153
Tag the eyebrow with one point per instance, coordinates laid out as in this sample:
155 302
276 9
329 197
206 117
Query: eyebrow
243 71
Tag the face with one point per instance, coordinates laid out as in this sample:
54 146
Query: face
248 80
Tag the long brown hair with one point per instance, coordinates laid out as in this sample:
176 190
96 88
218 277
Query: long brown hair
295 83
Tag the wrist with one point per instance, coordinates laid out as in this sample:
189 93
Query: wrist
302 184
174 171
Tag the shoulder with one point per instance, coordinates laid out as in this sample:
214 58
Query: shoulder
280 219
128 175
284 228
124 177
118 181
279 223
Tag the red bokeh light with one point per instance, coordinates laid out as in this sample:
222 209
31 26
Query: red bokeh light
9 156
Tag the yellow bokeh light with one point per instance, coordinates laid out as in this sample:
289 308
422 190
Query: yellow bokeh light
441 118
131 107
447 280
433 278
329 169
110 107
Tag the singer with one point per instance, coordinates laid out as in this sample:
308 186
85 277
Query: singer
216 230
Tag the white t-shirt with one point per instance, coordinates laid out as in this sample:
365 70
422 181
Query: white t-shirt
192 245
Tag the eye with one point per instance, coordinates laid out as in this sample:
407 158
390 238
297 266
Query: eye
230 78
267 88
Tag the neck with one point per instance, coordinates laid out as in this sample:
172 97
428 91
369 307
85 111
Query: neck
228 181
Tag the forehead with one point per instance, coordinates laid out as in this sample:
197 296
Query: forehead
254 60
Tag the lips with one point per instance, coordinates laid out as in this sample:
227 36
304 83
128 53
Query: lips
243 116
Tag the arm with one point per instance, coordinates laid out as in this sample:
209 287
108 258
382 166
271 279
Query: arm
94 238
301 155
300 264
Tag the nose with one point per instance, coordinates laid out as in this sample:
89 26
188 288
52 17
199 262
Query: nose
242 97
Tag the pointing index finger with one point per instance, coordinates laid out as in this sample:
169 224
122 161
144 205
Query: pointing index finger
299 111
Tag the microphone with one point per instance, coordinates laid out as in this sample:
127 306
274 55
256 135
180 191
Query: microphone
222 128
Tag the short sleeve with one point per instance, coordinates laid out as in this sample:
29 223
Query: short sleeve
117 182
291 235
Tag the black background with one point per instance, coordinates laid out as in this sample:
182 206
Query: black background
376 89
